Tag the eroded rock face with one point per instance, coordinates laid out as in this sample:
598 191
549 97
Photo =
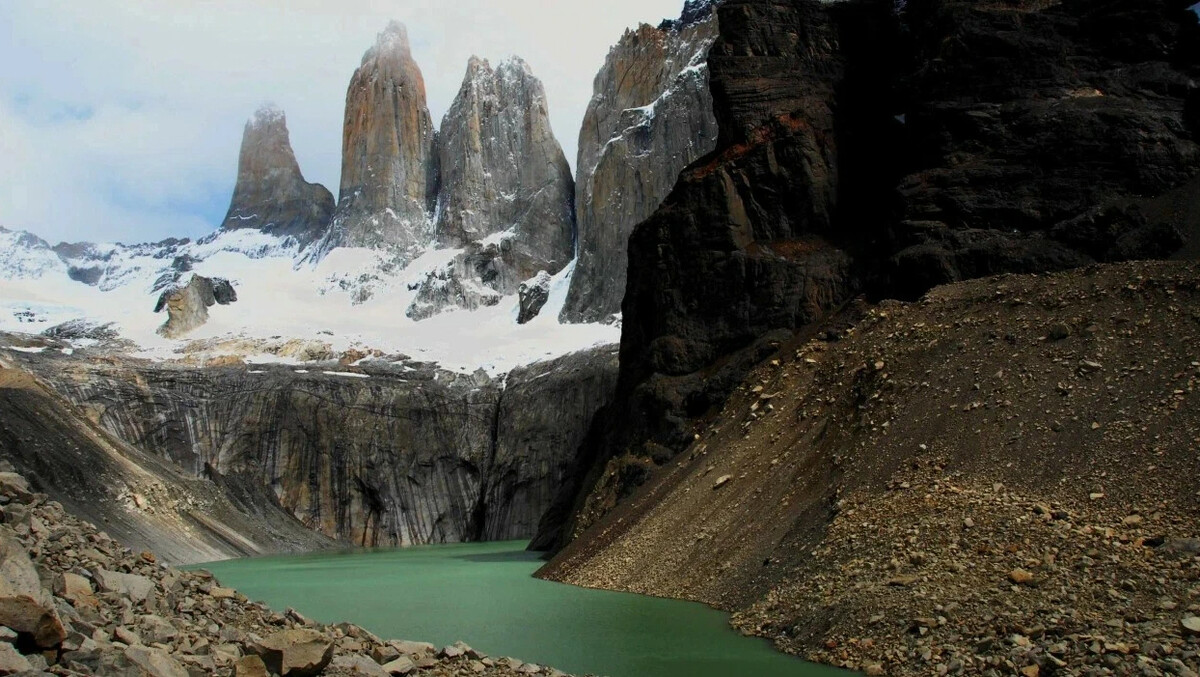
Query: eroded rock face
506 191
403 456
650 116
1025 137
389 152
187 305
533 294
271 193
502 168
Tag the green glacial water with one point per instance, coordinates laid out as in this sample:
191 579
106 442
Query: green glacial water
484 594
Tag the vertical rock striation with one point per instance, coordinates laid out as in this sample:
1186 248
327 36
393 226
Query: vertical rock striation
649 117
389 152
396 456
271 193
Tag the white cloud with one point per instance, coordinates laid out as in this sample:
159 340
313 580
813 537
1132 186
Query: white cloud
121 120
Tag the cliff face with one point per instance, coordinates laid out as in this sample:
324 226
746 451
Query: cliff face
388 457
650 116
389 151
141 499
271 193
506 190
827 154
503 170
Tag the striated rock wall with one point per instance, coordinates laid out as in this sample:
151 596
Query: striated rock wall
271 193
393 456
389 151
649 117
141 499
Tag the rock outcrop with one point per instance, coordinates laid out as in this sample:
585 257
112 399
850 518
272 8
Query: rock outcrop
394 455
649 117
187 305
507 196
533 294
389 152
985 127
271 193
503 172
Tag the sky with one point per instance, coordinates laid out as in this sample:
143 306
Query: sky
121 121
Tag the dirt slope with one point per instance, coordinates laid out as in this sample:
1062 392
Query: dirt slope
890 476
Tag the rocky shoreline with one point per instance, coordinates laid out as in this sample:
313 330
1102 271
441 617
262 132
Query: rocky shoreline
75 602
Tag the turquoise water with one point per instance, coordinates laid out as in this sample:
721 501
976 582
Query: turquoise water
485 595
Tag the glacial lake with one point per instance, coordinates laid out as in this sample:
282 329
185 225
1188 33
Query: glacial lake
485 595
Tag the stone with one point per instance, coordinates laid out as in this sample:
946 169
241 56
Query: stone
1190 625
72 587
401 666
15 486
187 305
271 194
451 651
250 666
154 662
24 605
157 630
1031 671
412 648
126 636
1020 577
722 481
12 662
357 665
299 652
874 670
533 294
217 592
136 588
651 114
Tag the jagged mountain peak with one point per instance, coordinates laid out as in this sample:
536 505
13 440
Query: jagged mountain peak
267 114
392 40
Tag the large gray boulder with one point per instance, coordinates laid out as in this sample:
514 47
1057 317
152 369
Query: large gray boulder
271 193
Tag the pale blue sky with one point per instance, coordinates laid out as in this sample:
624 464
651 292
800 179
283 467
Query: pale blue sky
122 120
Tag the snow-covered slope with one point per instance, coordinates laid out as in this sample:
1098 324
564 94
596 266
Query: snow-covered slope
353 298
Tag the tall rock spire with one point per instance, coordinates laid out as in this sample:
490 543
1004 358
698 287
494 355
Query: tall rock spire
389 151
271 193
650 116
506 193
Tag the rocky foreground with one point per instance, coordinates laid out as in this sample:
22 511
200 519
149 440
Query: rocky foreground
75 602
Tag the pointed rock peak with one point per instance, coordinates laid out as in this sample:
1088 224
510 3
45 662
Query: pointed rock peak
514 65
393 40
476 64
267 115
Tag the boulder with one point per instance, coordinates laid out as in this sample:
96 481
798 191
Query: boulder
250 666
187 305
298 652
136 588
154 662
401 666
12 662
356 664
24 605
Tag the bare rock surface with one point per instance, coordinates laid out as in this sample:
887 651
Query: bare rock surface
389 152
649 117
271 194
187 305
